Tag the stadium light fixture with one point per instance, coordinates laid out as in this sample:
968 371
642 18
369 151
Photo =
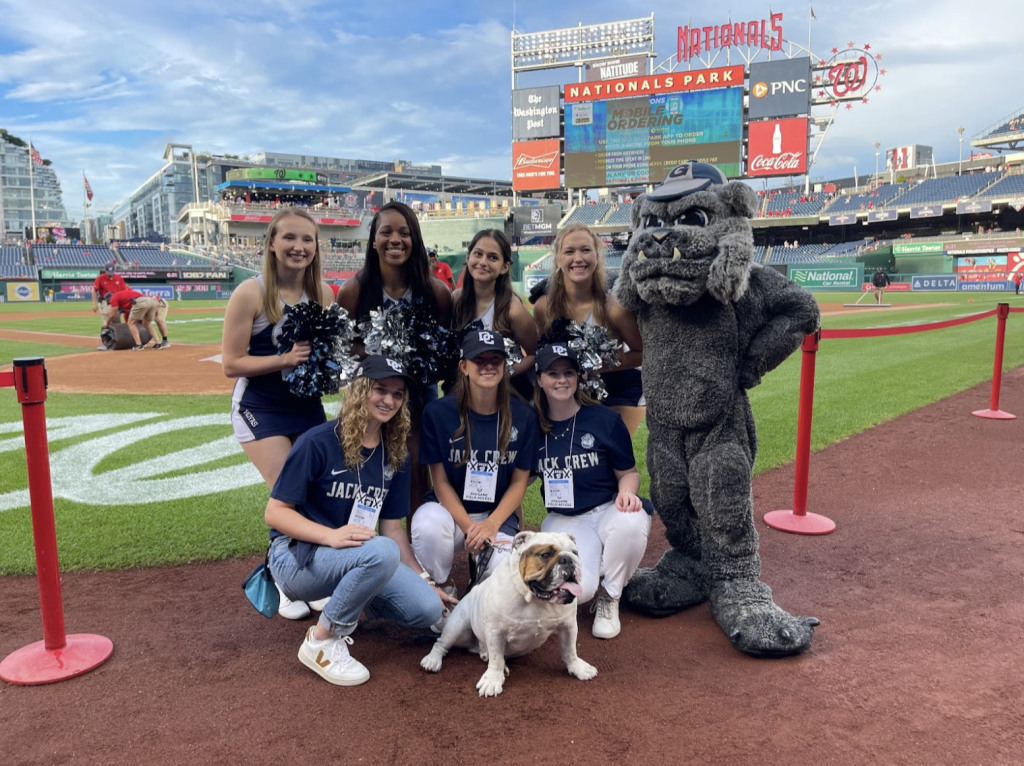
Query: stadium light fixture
876 144
960 162
575 46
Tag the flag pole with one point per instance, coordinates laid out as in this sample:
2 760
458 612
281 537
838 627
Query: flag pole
85 212
32 188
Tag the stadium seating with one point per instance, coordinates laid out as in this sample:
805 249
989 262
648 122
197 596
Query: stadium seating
800 254
591 215
943 190
852 203
149 256
621 215
1006 188
342 263
12 264
792 202
88 256
759 253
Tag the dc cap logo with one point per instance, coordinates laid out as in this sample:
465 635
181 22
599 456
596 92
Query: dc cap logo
485 337
683 171
560 350
395 365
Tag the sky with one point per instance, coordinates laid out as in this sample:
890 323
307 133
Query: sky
102 85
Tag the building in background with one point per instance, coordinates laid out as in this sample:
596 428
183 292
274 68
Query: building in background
15 196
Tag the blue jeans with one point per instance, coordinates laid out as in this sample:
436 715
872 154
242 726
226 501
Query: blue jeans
369 576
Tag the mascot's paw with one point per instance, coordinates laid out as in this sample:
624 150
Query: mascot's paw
675 583
729 274
756 625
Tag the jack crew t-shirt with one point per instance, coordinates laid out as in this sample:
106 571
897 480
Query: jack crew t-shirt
439 445
600 445
322 488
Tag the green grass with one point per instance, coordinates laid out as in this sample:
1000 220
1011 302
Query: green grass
859 383
12 349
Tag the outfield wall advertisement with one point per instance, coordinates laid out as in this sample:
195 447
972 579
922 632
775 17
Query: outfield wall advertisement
639 140
844 276
924 283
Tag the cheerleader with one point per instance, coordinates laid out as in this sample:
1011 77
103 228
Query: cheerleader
585 458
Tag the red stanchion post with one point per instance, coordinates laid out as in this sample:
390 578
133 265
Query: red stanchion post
58 656
993 412
798 520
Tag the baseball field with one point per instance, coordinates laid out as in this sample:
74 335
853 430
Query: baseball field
159 516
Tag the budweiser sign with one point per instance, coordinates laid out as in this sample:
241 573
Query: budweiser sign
777 148
536 165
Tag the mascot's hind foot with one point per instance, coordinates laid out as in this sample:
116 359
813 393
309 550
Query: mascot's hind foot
673 584
755 624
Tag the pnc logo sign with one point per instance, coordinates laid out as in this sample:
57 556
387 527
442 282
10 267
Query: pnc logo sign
783 87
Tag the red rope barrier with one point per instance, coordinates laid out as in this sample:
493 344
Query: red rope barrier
58 656
798 520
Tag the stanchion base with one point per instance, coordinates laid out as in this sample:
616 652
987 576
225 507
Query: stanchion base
994 415
34 664
806 524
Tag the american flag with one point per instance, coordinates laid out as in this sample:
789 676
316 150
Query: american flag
34 153
88 189
813 15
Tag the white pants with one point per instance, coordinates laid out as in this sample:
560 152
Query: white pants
436 538
610 542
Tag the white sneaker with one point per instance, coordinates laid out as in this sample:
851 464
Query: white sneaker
291 610
320 604
331 661
438 626
606 621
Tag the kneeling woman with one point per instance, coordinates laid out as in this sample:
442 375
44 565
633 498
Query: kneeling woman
585 457
480 444
338 480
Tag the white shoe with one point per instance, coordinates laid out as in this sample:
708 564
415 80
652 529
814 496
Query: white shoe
438 626
606 621
291 610
331 661
320 604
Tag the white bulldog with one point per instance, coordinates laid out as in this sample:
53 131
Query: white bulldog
530 595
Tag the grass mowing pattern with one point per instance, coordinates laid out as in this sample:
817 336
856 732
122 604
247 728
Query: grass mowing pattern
859 383
12 349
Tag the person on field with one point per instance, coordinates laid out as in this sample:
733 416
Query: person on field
139 308
267 417
106 282
1018 278
880 281
340 480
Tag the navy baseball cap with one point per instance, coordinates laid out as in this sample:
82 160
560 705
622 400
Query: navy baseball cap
551 353
110 267
479 342
686 179
431 252
377 367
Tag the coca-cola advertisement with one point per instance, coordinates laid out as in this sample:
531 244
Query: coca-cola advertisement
777 148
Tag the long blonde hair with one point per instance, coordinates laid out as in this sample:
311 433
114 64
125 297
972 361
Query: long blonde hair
464 403
558 299
354 414
311 277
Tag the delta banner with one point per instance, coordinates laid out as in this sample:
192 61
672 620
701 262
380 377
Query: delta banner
925 283
701 79
832 277
536 165
537 220
928 211
22 291
535 113
921 248
877 216
780 88
969 207
777 148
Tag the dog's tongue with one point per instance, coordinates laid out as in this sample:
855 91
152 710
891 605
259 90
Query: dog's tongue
573 587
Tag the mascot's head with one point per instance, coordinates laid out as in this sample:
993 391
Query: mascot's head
691 236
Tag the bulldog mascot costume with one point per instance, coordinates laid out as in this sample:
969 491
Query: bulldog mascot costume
713 323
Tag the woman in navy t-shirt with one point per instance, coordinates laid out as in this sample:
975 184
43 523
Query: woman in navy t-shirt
480 445
339 480
585 458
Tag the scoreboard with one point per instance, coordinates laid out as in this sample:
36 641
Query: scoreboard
639 140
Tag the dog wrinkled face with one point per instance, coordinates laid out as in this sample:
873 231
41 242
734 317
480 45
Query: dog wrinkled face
552 571
674 244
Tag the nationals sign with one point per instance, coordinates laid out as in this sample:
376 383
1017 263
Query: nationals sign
777 148
536 165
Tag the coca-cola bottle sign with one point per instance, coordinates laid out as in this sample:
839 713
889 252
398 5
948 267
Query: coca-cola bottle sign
777 147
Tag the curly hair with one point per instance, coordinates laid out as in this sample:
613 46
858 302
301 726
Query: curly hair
354 414
558 305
